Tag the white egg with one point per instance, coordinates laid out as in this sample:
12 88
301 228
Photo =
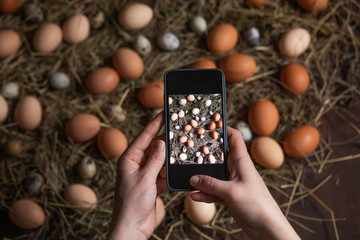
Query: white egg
172 160
10 90
215 94
208 103
170 100
212 159
221 140
87 168
181 114
197 154
198 24
203 119
199 160
171 135
182 101
59 80
245 130
197 118
168 41
174 116
211 112
177 127
201 136
195 111
191 98
142 45
198 98
183 156
191 134
118 113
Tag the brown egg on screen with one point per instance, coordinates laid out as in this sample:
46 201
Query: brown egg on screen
160 211
26 214
8 6
9 43
294 42
267 152
313 5
256 3
237 67
80 197
28 113
82 127
203 63
4 109
128 63
199 212
263 117
76 28
135 16
152 95
111 142
294 78
222 38
301 141
47 38
102 80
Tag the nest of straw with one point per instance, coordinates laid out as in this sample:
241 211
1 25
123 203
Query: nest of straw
332 61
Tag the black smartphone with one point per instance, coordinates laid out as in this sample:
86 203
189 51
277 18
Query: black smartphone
195 126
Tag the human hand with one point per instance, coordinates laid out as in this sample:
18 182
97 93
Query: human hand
245 195
134 214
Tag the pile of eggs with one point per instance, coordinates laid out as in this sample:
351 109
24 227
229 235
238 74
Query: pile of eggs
127 64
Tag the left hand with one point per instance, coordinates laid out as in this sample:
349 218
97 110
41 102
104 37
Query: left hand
134 214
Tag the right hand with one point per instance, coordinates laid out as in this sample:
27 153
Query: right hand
245 195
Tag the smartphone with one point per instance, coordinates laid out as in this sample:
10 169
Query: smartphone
195 126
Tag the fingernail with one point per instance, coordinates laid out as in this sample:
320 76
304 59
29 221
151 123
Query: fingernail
160 145
194 180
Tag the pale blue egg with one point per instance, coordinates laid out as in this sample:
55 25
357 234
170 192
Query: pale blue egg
168 41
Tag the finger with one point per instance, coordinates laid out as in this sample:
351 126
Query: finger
161 185
155 160
236 141
210 185
204 197
149 148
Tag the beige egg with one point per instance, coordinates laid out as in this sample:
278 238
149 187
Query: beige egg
294 42
199 212
80 197
76 28
87 168
26 214
9 43
4 109
47 38
160 211
267 152
135 16
112 142
102 80
152 95
82 127
128 63
28 113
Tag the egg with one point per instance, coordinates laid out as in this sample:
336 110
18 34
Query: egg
13 148
32 13
76 28
301 141
201 131
82 127
47 38
313 5
263 117
80 197
183 139
198 24
8 6
102 80
33 183
118 113
217 116
212 126
168 41
183 156
142 45
135 16
195 111
267 152
152 95
160 211
96 18
59 80
190 143
222 38
253 35
256 3
4 109
28 113
214 135
294 78
87 168
128 63
237 67
10 90
205 150
112 142
203 63
26 214
173 117
9 43
219 124
245 130
294 42
193 123
199 212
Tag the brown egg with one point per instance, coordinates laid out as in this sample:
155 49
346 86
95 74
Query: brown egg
301 141
47 38
237 67
152 95
205 150
294 78
76 28
13 148
112 142
267 152
82 127
217 116
80 197
212 126
219 124
102 80
128 63
8 6
313 5
26 214
187 127
263 117
203 63
214 135
199 212
4 109
201 131
9 43
28 113
256 3
222 38
294 42
190 143
160 211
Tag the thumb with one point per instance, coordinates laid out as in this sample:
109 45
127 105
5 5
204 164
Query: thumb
210 185
156 159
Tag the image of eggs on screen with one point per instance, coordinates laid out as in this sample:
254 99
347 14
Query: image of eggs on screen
196 129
